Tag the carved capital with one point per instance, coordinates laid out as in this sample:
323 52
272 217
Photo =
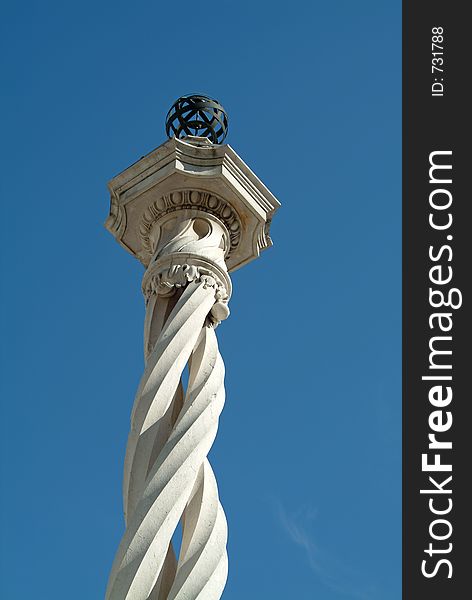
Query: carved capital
191 200
191 175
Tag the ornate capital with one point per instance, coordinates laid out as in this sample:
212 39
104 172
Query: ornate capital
192 174
191 200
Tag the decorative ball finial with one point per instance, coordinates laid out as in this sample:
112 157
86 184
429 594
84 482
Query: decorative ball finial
197 115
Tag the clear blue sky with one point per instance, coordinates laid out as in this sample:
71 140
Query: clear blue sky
308 451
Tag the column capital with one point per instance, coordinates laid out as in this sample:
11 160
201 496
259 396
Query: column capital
191 174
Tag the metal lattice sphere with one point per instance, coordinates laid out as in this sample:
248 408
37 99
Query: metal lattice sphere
197 115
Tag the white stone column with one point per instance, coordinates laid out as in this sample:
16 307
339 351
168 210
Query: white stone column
191 211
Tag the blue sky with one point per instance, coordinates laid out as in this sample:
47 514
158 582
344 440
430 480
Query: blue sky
309 447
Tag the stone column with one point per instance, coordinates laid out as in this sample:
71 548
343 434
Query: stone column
191 211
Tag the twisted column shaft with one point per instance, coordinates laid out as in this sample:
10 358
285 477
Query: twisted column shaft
167 477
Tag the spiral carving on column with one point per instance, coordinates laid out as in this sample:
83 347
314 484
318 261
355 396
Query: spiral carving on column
167 477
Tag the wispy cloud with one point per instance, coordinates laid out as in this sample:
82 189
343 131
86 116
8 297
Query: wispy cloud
330 571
